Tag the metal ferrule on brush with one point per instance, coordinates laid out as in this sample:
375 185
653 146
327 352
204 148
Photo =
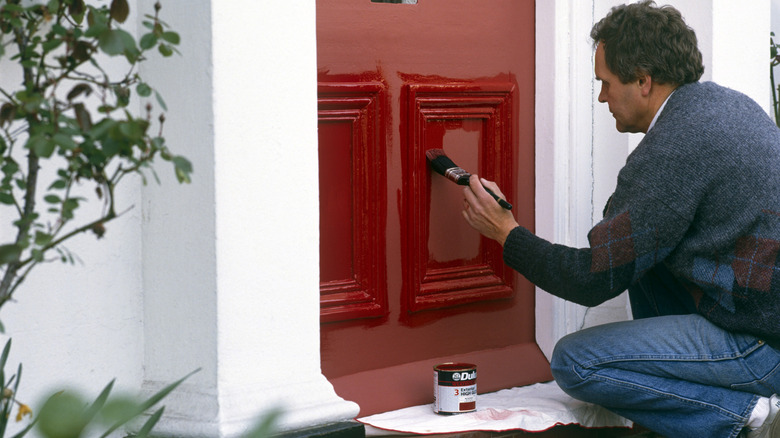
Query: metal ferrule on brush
456 174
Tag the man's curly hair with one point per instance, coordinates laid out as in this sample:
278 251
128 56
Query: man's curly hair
642 38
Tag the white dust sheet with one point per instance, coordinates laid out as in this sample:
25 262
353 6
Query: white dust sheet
532 408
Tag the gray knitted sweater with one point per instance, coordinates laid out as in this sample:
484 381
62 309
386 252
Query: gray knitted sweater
700 193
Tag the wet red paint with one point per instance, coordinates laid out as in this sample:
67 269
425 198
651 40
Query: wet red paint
458 75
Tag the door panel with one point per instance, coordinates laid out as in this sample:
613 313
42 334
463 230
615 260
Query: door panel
406 283
351 142
449 264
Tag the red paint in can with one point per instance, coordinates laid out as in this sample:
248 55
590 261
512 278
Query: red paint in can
454 388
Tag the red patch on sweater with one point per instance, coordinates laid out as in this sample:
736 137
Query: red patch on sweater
611 244
754 262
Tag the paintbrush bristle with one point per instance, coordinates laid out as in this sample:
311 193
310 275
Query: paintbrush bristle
439 161
442 164
433 154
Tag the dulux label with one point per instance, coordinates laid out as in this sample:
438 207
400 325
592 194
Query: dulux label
464 376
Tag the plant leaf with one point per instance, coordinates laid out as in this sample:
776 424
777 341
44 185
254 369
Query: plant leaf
97 22
52 44
8 254
183 169
267 425
6 352
64 141
148 41
24 431
143 89
150 423
161 101
165 50
76 10
7 112
118 409
119 10
62 415
42 238
41 145
58 184
79 89
82 117
116 42
100 401
171 37
151 401
18 378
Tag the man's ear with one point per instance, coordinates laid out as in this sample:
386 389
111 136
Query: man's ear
645 83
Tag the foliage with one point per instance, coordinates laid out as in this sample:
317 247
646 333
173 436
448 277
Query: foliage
9 400
68 135
266 425
73 121
773 62
68 415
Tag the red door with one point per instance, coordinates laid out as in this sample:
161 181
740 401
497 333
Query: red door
405 282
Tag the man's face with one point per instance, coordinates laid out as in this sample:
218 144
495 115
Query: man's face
624 100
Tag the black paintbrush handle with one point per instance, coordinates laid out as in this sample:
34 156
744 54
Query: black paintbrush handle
501 202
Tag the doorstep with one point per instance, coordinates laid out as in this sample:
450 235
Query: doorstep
351 429
539 410
569 431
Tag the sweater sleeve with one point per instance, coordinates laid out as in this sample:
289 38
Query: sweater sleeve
638 232
558 269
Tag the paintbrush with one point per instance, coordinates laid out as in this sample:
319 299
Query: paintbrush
442 164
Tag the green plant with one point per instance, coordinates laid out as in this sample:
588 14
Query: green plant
774 60
67 414
266 425
10 387
68 133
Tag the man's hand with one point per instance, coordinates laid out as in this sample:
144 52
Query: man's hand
483 213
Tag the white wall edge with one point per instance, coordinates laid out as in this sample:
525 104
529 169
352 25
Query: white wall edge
564 180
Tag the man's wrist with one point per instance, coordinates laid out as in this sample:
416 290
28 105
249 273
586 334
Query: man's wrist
505 235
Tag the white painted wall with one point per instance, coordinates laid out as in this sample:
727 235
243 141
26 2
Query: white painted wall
77 327
179 245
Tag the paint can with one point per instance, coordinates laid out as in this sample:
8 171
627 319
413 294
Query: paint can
454 388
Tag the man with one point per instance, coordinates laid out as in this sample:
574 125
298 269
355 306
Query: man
692 231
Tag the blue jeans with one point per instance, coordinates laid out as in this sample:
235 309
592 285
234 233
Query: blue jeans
670 370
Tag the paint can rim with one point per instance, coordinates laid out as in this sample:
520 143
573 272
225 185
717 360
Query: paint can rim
454 366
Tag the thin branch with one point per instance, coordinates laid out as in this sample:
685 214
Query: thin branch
107 218
31 186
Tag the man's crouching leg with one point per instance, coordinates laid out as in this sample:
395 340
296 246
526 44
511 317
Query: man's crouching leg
674 375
